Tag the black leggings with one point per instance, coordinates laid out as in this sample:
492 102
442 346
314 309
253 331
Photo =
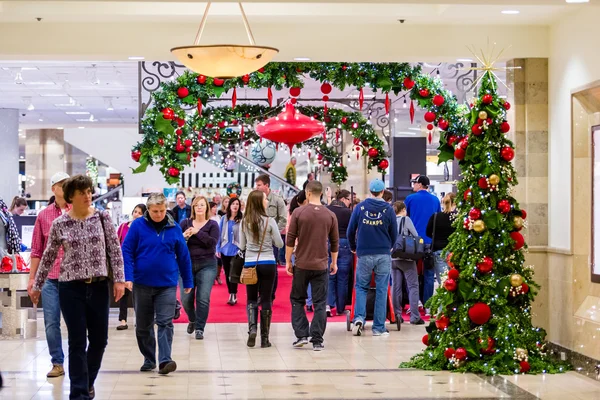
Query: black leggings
266 278
231 286
123 305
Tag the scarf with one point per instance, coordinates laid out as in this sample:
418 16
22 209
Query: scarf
13 241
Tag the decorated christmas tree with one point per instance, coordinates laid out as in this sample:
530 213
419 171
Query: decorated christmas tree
482 311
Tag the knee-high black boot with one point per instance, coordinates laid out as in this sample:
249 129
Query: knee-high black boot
251 310
265 326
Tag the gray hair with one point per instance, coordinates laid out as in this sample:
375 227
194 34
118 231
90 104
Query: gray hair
156 199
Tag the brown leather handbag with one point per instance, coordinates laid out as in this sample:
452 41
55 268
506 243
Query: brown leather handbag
249 276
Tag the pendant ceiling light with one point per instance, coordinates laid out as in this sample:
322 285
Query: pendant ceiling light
224 60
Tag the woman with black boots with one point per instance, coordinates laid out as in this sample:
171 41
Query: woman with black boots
229 243
258 235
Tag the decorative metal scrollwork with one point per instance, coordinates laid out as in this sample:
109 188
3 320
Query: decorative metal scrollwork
150 76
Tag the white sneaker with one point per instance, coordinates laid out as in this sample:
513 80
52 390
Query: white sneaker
357 328
385 333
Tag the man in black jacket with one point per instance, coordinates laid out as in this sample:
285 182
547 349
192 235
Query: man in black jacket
182 210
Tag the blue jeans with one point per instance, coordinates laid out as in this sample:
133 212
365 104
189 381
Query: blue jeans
382 265
441 267
51 303
204 277
154 303
428 278
338 283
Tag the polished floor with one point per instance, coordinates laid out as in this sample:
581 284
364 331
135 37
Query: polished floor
222 367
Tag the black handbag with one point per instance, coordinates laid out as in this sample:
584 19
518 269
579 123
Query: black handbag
237 264
408 247
429 258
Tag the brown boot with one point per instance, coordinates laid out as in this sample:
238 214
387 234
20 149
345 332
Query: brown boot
56 371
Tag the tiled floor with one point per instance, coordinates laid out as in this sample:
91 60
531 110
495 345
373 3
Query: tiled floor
222 367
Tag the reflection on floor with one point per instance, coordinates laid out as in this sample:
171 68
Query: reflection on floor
222 367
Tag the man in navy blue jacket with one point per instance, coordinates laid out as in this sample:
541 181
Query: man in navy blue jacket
155 254
372 232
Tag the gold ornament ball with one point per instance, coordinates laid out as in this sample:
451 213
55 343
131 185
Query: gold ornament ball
518 222
516 280
482 115
479 226
494 179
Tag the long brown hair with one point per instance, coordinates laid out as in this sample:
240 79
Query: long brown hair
255 211
196 201
448 202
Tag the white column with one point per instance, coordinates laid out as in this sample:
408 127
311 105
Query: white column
9 155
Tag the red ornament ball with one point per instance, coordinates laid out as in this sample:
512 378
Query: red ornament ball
344 120
424 92
504 206
443 124
467 224
442 322
460 354
449 353
523 214
209 125
344 67
356 141
168 113
183 92
477 130
246 79
319 156
261 70
373 152
438 100
295 91
453 274
519 240
218 81
452 139
506 105
487 99
463 143
475 214
429 127
384 164
187 143
507 153
460 154
483 183
325 98
178 132
450 285
173 171
222 124
293 100
326 88
525 288
161 142
180 122
504 127
480 313
408 83
486 265
195 154
467 194
489 350
525 367
430 116
425 340
234 122
135 155
201 79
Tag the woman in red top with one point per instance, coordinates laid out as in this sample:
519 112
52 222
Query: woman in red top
137 212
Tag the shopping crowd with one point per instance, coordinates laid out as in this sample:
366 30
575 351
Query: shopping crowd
76 251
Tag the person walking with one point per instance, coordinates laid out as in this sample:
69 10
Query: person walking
223 208
258 236
312 225
405 270
229 243
182 210
155 255
439 229
338 283
41 233
91 253
372 232
202 235
420 206
18 206
215 216
137 212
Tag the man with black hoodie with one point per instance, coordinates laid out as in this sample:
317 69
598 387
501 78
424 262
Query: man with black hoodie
372 232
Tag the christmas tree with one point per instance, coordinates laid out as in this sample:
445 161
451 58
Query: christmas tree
482 311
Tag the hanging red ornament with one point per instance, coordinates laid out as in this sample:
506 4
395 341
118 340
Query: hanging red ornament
319 156
325 98
408 83
270 96
453 274
168 113
178 146
295 91
524 367
183 92
361 98
424 92
289 127
487 99
246 79
477 130
384 164
450 285
429 127
387 103
373 152
475 214
449 353
135 155
486 265
507 153
161 142
234 98
293 100
337 134
519 240
325 109
459 154
443 124
483 183
438 100
199 107
504 127
442 322
480 313
504 206
242 132
411 112
201 79
430 136
173 172
425 340
506 105
217 135
430 116
356 142
218 81
326 88
525 288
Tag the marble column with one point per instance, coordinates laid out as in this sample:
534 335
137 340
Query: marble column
9 162
45 154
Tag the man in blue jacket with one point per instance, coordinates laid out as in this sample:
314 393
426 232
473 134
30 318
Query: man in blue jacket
155 254
372 232
420 206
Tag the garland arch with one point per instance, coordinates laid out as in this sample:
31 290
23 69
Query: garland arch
173 138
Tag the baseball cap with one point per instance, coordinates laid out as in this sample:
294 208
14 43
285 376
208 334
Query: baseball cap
58 177
376 186
422 179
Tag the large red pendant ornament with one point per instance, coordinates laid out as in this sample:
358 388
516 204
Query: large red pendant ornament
270 96
412 112
199 107
387 103
234 98
361 98
289 127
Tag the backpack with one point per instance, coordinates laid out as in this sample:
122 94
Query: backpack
407 246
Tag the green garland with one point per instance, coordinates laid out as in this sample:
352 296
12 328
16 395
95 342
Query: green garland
164 140
91 169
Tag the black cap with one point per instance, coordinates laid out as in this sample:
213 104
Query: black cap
422 179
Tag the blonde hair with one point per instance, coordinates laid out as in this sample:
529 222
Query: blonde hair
195 202
448 202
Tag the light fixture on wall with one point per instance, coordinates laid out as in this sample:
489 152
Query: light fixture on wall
30 106
18 78
109 104
224 60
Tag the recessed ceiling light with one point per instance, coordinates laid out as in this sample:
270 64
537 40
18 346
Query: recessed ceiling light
59 127
136 58
77 112
81 127
21 157
578 1
41 120
301 59
464 60
511 12
41 83
54 95
29 68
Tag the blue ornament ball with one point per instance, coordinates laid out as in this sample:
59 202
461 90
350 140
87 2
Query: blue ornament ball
263 153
